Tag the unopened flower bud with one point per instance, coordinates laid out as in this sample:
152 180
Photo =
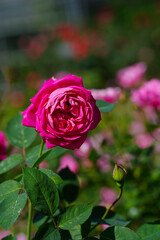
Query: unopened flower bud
119 173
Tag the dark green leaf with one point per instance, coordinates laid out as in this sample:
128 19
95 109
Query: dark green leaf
10 208
47 232
76 232
65 235
55 177
10 162
18 134
104 106
8 188
149 231
69 188
10 237
42 191
40 219
75 215
112 218
118 233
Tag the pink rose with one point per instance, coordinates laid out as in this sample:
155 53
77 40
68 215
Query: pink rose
111 94
3 146
103 163
147 95
21 236
108 196
130 76
84 150
68 161
4 234
144 140
63 111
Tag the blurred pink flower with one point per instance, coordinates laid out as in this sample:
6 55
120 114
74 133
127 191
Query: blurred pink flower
104 226
84 150
43 164
21 236
156 134
86 163
130 76
103 163
3 146
111 94
148 94
125 160
68 161
151 115
4 234
136 127
144 140
96 142
108 196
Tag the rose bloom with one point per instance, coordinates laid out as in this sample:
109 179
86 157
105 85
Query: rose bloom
130 76
3 146
111 94
63 111
68 161
148 94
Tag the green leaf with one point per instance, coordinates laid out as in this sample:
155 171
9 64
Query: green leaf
55 177
104 106
33 153
18 134
41 159
47 232
75 215
118 233
56 152
8 188
42 191
76 232
149 231
10 208
10 237
10 162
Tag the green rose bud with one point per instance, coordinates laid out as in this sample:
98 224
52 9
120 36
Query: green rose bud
119 173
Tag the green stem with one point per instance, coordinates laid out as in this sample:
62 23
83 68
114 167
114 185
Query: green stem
107 210
29 219
30 204
41 149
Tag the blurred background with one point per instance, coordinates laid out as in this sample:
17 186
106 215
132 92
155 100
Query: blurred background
92 39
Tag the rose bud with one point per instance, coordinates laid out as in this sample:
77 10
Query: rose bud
119 173
63 111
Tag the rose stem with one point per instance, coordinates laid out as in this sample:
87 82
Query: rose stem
41 149
29 219
30 204
107 210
